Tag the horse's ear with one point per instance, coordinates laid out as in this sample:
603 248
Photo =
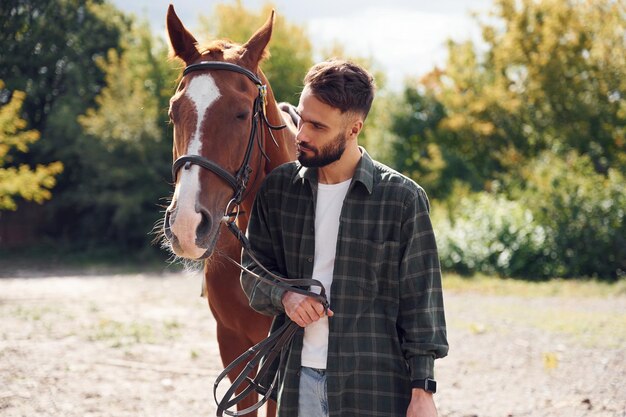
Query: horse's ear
255 50
183 43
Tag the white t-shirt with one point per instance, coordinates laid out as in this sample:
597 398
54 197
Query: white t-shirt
327 213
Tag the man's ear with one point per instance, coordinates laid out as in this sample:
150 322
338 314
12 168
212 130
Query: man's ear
355 127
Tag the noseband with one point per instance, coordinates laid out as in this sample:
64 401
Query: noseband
238 181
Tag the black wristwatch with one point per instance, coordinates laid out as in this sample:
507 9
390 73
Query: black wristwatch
428 384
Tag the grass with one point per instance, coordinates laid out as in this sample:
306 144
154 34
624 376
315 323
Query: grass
122 334
489 285
605 329
549 306
40 313
50 258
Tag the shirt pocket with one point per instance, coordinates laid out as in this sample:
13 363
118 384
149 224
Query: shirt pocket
379 266
370 255
362 273
355 268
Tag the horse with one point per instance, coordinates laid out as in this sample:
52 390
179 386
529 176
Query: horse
221 116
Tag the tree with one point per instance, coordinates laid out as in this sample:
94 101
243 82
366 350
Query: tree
537 121
49 49
290 49
552 78
30 184
415 151
129 152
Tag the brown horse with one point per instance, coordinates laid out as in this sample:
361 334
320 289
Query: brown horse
213 111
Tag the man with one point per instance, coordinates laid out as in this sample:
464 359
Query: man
364 231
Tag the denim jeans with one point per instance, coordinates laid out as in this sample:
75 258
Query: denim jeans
313 401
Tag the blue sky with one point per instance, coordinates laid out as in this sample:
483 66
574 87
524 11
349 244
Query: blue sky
405 37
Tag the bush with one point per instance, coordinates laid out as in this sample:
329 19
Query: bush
582 212
490 234
562 219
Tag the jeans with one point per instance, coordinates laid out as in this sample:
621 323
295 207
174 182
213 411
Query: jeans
312 401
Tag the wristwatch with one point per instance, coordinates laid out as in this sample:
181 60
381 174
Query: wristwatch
428 384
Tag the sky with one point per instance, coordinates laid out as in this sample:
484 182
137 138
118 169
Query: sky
406 38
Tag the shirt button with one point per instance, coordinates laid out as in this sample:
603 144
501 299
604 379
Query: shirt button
309 260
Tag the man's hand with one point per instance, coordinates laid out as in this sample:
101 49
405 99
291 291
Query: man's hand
422 404
303 310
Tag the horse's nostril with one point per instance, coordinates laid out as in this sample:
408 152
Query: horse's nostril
204 227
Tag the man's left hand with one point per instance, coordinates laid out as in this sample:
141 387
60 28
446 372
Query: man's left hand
422 404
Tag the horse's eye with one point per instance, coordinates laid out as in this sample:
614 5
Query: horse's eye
242 115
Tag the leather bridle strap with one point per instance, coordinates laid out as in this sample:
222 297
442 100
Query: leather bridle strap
204 65
238 182
188 160
265 353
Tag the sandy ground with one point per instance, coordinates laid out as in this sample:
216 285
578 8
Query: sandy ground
144 345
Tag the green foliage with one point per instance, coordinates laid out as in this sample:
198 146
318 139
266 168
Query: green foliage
290 48
553 77
567 221
100 85
582 212
49 50
129 154
489 234
30 184
509 122
416 149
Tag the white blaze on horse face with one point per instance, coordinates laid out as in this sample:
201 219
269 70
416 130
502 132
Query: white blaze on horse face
202 92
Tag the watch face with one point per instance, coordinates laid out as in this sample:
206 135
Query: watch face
431 385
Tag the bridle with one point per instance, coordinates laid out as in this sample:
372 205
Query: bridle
270 355
238 181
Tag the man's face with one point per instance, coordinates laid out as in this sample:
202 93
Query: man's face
313 157
322 136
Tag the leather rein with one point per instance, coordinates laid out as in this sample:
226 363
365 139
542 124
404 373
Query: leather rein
269 355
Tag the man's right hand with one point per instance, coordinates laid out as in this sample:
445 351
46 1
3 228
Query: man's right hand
303 310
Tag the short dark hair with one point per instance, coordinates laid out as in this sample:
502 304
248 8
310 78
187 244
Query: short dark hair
343 85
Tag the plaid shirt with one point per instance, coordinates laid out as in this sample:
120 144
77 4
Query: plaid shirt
389 322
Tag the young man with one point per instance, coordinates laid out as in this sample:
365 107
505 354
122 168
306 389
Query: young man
364 231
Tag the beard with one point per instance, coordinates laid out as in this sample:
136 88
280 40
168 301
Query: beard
326 155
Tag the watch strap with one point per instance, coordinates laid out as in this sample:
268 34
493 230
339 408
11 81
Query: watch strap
428 384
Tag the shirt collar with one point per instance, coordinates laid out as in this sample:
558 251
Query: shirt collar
364 172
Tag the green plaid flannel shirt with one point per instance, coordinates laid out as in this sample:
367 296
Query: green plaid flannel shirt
389 323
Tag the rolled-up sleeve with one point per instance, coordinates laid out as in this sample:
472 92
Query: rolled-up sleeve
263 297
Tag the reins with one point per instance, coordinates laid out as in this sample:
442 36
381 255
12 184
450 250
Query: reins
270 355
266 353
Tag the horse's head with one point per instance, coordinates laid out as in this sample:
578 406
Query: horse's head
217 113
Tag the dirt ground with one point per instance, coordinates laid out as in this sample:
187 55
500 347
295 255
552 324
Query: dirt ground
144 345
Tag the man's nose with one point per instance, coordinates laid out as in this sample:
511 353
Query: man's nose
300 136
